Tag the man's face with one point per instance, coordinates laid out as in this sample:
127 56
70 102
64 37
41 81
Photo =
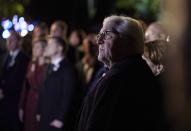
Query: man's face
51 48
12 43
55 31
106 40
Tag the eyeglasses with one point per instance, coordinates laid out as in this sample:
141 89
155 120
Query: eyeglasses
107 34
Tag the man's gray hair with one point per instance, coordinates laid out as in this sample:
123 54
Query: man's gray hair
128 28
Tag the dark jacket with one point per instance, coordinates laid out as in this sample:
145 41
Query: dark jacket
11 83
96 65
126 98
57 97
12 77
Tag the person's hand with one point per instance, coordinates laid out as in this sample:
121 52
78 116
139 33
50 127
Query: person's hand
38 117
56 124
21 114
1 94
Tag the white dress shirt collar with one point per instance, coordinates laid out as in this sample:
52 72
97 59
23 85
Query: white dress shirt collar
14 53
56 62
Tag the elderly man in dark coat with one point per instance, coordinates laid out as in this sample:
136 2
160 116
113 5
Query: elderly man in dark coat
126 97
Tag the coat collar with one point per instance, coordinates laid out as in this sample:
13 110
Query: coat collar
126 61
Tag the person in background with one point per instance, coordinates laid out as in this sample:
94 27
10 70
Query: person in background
125 98
40 32
89 65
33 84
75 45
14 71
59 29
57 97
26 45
156 31
76 38
155 54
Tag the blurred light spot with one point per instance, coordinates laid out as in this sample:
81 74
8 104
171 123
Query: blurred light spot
15 19
31 27
24 33
23 25
6 34
17 27
21 19
6 24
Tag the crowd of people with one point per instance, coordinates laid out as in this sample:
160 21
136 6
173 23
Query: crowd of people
109 81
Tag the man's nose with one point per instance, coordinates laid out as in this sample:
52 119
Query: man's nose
100 41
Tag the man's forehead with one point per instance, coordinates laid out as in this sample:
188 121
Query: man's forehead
107 26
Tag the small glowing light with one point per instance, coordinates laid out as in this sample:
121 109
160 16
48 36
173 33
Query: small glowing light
6 24
23 25
31 27
15 19
21 19
6 34
17 27
24 33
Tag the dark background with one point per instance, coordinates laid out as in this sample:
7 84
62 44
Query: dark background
74 12
79 13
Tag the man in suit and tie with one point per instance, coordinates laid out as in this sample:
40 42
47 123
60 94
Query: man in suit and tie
12 77
57 96
126 97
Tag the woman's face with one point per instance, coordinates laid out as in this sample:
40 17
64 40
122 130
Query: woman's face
85 46
74 39
37 50
37 32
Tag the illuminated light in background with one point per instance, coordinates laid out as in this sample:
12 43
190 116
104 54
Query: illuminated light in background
30 27
21 19
24 33
23 25
17 27
6 34
19 24
15 19
6 24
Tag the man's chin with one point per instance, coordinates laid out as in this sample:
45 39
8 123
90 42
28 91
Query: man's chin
103 60
100 58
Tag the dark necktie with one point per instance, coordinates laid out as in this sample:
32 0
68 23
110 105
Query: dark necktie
9 61
50 68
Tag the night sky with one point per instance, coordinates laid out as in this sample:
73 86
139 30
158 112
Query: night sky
76 15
